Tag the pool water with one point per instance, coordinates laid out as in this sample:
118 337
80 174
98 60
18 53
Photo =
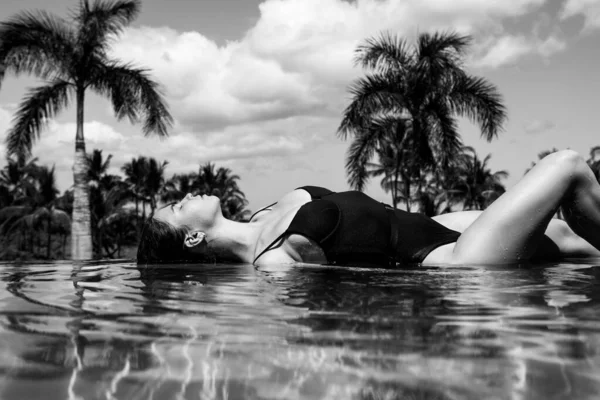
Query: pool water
114 331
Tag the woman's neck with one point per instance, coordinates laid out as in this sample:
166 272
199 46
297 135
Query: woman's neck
236 238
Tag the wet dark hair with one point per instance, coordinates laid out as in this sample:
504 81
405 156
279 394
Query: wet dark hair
161 242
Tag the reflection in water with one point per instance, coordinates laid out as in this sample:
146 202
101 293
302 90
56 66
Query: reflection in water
106 331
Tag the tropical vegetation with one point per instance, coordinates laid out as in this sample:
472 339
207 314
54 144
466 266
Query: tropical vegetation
71 56
405 110
402 121
35 222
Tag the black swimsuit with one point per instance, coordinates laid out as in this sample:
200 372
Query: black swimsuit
353 229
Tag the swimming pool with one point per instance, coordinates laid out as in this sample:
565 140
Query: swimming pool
110 330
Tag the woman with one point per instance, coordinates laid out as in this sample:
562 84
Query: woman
315 225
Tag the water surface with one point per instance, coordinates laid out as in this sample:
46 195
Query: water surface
114 331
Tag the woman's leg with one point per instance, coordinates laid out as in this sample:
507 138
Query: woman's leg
569 244
511 229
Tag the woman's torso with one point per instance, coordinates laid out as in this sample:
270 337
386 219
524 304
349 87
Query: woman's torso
275 221
304 226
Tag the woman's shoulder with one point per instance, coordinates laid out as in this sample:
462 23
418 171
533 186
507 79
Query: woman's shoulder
295 198
316 192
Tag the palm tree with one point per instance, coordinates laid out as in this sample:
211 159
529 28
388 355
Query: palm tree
135 174
108 193
25 220
97 167
178 186
209 180
476 187
115 222
72 57
16 178
594 161
46 196
154 182
411 99
433 196
397 164
222 183
118 224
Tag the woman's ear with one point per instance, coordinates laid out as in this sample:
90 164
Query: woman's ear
193 239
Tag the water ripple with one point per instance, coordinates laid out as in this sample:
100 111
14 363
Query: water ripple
112 330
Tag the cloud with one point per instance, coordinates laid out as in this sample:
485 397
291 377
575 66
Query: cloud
550 46
297 59
505 50
508 49
211 87
185 150
57 146
279 90
589 9
537 126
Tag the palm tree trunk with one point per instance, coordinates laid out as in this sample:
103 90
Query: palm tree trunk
137 215
100 243
49 239
406 191
81 233
38 243
395 189
396 173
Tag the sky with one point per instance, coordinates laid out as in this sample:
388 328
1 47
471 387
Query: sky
260 86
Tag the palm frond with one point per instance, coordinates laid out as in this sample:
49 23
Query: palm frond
133 94
439 57
374 93
46 182
99 21
499 175
363 148
40 104
36 43
359 152
444 132
386 53
117 215
61 222
97 166
481 102
444 44
12 216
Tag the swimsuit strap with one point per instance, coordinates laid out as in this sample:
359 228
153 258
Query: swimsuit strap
262 209
394 235
315 192
270 246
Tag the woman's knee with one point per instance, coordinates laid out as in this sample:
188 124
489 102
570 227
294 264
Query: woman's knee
568 158
569 162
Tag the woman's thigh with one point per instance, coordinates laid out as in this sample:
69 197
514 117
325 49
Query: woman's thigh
568 242
512 227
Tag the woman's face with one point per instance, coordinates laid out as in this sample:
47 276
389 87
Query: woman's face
197 212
